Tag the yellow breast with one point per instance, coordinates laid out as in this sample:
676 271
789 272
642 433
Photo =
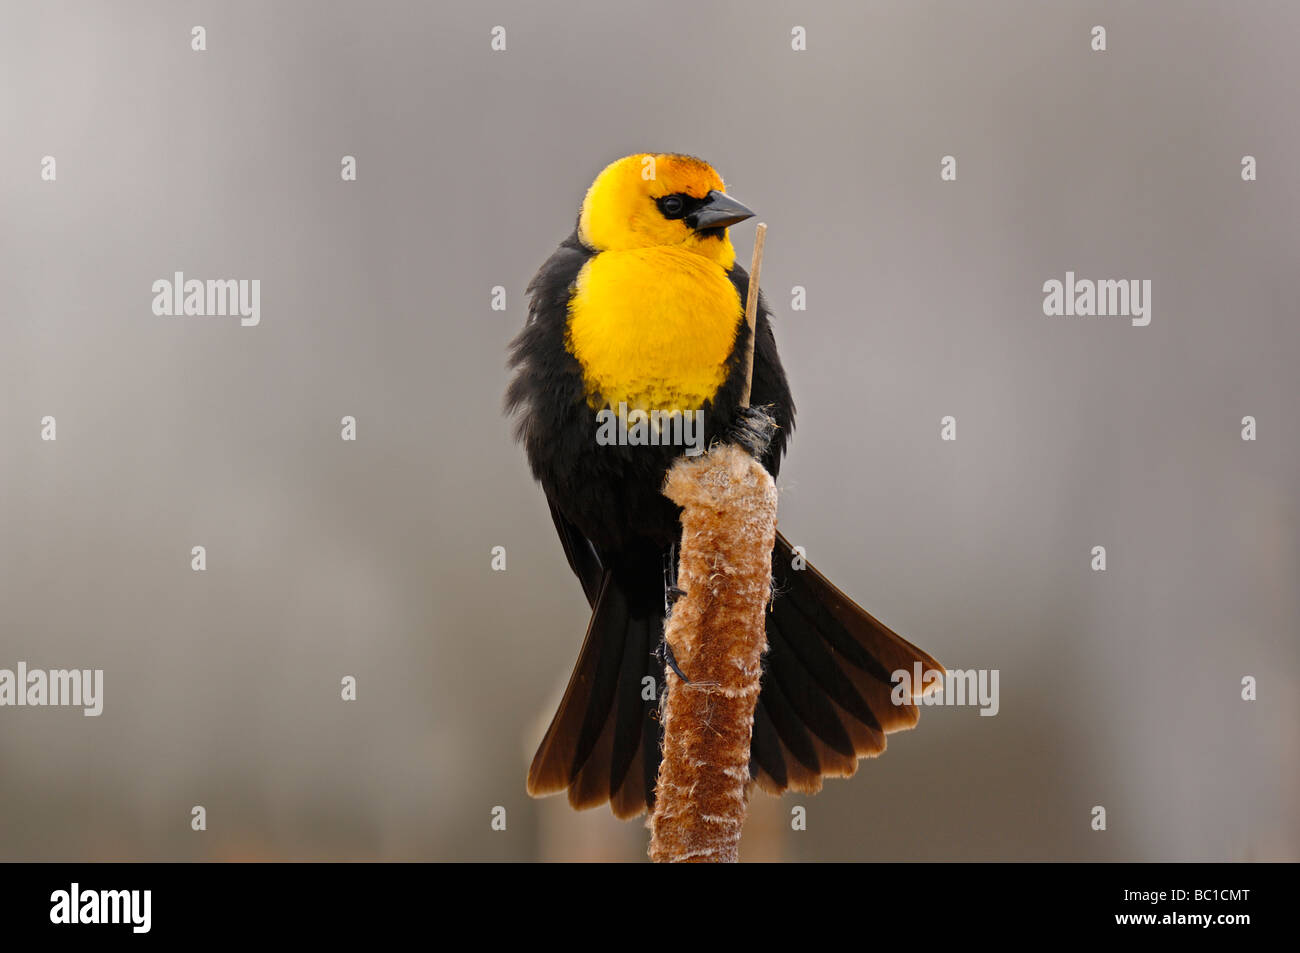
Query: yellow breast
652 328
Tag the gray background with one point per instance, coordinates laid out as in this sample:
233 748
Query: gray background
371 558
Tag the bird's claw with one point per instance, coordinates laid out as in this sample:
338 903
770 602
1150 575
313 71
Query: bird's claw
666 656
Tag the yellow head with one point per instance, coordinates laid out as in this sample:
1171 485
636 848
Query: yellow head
646 200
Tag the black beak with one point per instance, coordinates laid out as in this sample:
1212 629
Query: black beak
718 211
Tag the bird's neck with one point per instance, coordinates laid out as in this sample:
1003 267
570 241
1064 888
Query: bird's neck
720 251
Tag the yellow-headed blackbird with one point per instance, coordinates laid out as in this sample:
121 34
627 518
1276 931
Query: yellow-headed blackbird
642 307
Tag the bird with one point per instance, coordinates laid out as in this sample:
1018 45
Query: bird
641 308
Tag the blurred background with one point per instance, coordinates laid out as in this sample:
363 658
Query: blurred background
328 558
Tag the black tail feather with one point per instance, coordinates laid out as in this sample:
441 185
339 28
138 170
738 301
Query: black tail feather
603 743
825 703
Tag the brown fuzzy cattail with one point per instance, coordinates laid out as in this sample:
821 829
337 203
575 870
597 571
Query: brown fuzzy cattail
718 634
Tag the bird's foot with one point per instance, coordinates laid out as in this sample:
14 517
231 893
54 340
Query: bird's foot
666 656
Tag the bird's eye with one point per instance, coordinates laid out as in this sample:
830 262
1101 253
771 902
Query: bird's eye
673 206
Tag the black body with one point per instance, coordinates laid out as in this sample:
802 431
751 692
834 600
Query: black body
826 684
